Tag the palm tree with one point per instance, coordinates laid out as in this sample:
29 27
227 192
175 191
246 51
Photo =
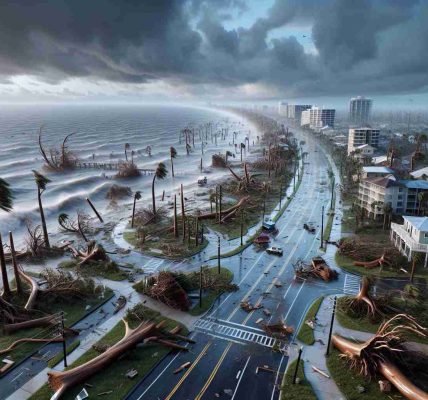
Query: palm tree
387 211
422 202
416 258
6 196
228 154
137 196
160 173
173 154
41 182
127 147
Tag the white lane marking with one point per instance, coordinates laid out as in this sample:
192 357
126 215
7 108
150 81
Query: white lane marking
239 381
292 304
161 373
276 378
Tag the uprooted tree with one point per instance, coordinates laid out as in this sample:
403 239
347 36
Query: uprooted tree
146 332
57 159
384 354
93 252
58 285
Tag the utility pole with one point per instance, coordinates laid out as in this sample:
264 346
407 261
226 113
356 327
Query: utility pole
94 209
280 196
332 194
297 365
242 226
264 209
322 227
218 255
331 326
64 344
200 288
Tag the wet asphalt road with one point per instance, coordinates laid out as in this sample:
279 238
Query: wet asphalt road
226 356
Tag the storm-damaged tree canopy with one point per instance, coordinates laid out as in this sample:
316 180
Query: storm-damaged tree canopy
57 159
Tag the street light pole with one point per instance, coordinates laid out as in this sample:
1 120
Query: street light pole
297 365
331 326
332 194
200 288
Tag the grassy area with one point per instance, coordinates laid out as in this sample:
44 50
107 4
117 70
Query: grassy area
347 264
226 276
348 381
132 238
306 334
108 270
301 391
60 356
419 310
113 377
73 310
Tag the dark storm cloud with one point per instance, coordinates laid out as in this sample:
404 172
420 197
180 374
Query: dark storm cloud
361 46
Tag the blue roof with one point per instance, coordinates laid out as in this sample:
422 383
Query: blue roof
414 184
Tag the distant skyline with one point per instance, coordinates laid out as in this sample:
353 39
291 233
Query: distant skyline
321 51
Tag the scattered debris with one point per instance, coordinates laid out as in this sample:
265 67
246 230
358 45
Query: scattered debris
259 321
309 228
183 366
317 269
105 393
320 372
82 395
132 373
247 306
278 329
119 304
267 312
384 386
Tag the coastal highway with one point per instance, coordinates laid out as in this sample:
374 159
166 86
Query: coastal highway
230 344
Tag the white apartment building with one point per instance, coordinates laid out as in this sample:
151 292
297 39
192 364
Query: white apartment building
360 136
411 237
360 110
318 117
282 108
294 111
402 195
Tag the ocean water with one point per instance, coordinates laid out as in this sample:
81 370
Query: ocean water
101 133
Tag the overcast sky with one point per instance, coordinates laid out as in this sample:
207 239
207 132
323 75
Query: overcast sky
217 50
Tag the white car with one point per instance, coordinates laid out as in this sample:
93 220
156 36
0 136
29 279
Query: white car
274 250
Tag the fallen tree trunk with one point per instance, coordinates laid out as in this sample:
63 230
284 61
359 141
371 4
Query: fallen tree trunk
31 323
29 340
213 215
146 331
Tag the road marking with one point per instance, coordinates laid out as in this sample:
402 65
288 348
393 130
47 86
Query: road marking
240 377
162 372
292 304
276 378
201 354
351 285
213 373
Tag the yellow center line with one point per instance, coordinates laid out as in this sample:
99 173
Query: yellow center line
201 354
214 372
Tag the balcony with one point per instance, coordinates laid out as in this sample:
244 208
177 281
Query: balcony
408 240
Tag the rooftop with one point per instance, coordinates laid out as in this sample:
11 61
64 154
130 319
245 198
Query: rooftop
420 223
378 170
420 172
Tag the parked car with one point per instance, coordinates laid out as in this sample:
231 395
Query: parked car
268 224
274 250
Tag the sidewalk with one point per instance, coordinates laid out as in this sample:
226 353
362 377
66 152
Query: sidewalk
29 388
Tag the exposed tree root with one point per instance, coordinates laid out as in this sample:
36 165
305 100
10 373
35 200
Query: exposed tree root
228 212
380 354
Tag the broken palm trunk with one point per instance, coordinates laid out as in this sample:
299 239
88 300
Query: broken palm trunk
317 269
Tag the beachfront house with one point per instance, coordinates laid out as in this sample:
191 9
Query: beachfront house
411 237
402 195
375 171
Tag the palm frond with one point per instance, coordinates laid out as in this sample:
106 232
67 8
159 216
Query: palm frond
6 196
41 180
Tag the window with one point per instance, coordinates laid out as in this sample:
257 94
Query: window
426 235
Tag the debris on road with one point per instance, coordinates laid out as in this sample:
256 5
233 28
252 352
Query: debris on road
267 312
183 366
278 329
248 307
317 269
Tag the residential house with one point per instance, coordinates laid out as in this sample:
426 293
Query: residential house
411 237
375 172
363 154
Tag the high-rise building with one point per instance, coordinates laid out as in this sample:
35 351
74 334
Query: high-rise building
282 108
294 111
359 110
361 136
318 117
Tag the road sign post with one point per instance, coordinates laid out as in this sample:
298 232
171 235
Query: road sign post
64 344
218 255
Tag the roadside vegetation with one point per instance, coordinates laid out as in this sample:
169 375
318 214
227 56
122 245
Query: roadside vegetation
299 391
306 333
177 289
